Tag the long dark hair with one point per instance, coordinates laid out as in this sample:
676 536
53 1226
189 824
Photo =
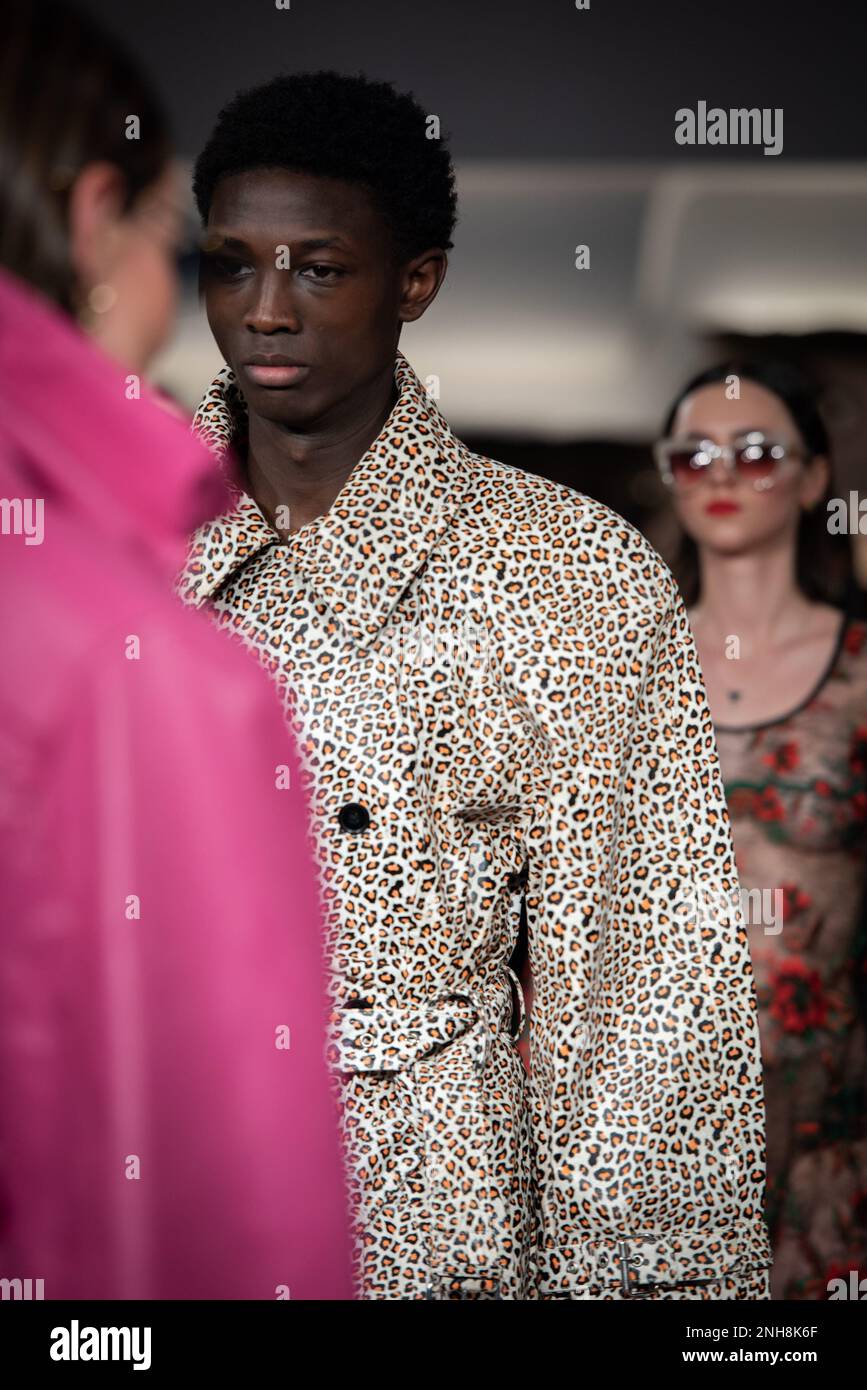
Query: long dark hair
824 567
67 90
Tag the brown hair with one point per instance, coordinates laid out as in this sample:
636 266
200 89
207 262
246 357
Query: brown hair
67 90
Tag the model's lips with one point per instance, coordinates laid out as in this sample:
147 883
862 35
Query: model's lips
265 370
722 508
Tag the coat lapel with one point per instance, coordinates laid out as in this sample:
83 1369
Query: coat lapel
360 556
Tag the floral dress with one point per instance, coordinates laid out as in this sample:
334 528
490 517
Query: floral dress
797 798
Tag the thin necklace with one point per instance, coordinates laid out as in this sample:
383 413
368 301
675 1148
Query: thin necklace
734 695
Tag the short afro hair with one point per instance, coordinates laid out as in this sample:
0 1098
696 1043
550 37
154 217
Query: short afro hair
343 127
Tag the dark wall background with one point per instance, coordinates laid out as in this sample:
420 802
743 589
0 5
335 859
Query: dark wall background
533 80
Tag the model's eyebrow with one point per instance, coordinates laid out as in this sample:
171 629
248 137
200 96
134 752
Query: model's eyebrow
322 243
212 239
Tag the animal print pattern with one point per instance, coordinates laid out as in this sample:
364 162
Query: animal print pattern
496 675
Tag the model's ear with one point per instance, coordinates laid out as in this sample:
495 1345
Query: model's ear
95 207
816 481
422 277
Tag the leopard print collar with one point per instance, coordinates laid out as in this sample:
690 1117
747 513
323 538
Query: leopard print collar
396 504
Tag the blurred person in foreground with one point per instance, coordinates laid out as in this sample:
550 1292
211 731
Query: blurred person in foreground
167 1128
746 457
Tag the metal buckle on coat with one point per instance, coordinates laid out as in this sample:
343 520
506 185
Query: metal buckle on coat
667 1265
629 1263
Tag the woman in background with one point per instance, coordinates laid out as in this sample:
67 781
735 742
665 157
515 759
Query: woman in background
166 1121
746 458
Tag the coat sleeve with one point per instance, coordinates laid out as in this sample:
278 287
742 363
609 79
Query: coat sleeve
647 1097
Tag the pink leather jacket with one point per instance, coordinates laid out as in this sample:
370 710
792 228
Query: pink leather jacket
167 1127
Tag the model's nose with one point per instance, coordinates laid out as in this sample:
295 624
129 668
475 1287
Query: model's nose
273 309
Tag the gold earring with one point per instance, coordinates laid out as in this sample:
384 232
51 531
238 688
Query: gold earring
101 298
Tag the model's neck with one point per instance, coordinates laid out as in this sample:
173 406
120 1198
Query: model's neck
295 475
755 595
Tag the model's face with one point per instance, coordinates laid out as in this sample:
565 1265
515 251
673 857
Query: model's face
723 511
328 309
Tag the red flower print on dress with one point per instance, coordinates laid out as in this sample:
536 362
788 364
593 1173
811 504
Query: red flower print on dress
854 639
798 1002
767 805
794 900
784 758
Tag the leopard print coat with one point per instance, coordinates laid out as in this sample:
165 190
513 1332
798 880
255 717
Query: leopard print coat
496 695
